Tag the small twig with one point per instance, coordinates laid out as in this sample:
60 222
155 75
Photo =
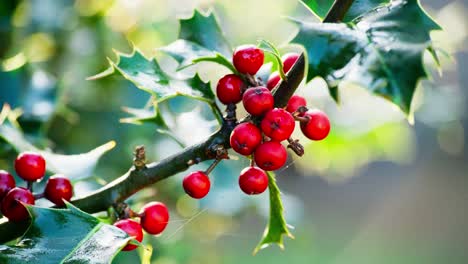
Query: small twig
212 166
300 111
139 160
338 11
38 196
296 146
251 80
124 211
260 82
231 113
302 119
30 186
221 152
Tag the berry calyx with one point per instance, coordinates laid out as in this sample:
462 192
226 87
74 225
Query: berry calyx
295 102
317 126
154 217
12 206
273 80
229 89
58 188
196 184
258 100
253 180
133 229
288 60
30 166
7 182
245 138
270 156
248 59
278 124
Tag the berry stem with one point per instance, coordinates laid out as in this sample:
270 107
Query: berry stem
30 186
251 80
252 161
337 11
302 119
300 110
296 146
124 211
212 166
38 196
231 113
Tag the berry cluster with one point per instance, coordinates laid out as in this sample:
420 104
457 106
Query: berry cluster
261 137
154 217
30 167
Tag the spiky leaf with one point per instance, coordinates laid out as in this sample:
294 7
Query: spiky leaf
205 31
383 51
358 7
147 74
65 236
200 39
277 226
185 52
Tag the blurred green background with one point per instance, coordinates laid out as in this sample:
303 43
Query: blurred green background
380 189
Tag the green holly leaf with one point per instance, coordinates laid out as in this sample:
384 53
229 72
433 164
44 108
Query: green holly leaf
185 52
205 31
205 88
65 236
382 51
358 7
277 226
146 74
141 116
271 49
75 167
200 39
147 116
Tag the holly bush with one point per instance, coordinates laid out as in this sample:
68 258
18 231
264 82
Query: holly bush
378 45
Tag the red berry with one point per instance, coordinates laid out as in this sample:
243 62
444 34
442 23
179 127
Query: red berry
30 166
133 229
197 184
258 100
278 124
12 206
58 188
229 89
245 138
154 217
248 59
253 180
270 155
318 125
273 80
288 60
295 102
7 182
